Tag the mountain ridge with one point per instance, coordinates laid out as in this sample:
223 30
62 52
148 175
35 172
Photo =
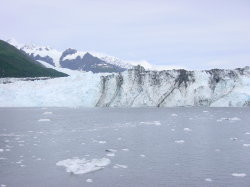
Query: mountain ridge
15 63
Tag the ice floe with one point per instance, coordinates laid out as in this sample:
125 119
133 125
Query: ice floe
120 166
82 166
179 141
246 145
142 155
247 133
174 115
102 142
229 119
89 180
187 129
155 123
208 180
125 149
43 120
111 150
233 139
239 174
110 154
47 113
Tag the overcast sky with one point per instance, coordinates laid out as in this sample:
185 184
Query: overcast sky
196 34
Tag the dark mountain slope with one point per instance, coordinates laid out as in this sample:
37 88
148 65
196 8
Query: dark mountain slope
14 63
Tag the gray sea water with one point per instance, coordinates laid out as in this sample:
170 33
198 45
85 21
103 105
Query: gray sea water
172 147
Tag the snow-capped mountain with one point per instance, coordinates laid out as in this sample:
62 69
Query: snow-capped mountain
73 59
133 88
83 60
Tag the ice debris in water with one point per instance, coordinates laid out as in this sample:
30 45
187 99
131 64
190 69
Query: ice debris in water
111 150
174 115
208 180
239 174
156 123
179 141
82 166
187 129
228 119
246 145
110 154
120 166
89 180
233 139
43 120
102 142
247 133
47 113
125 149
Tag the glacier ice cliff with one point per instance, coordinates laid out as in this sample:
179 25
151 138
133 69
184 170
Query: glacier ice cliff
133 88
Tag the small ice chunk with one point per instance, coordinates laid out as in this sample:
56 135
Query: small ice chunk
111 150
102 142
119 138
179 141
1 150
142 155
208 180
217 150
43 120
120 166
233 139
82 166
155 123
125 149
239 174
174 115
205 111
246 145
47 113
187 129
234 119
110 154
3 185
89 180
228 119
247 133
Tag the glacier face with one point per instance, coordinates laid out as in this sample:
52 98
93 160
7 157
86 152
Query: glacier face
132 88
138 88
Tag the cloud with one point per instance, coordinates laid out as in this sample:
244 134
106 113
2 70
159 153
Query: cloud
189 33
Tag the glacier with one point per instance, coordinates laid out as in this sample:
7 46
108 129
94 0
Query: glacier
135 87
